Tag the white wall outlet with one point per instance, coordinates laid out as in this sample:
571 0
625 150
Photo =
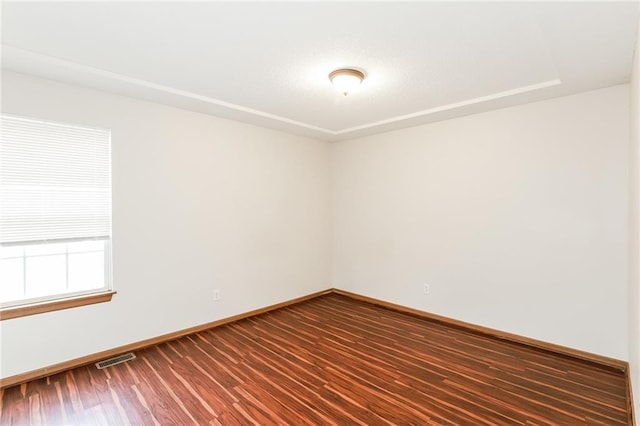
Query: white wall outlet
427 289
216 294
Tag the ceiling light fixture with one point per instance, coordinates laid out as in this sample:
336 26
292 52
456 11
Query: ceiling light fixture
346 80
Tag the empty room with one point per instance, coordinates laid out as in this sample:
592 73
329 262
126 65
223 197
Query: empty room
310 213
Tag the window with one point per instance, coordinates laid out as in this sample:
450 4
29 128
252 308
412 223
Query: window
55 211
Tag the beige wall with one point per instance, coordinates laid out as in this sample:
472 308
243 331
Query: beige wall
516 218
199 203
634 227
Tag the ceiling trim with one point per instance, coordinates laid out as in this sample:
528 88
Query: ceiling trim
11 54
468 102
22 60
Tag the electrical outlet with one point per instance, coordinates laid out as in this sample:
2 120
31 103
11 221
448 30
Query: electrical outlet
427 289
216 295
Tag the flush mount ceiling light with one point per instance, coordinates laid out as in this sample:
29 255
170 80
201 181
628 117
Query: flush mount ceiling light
346 80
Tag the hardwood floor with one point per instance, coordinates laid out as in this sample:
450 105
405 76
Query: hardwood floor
330 360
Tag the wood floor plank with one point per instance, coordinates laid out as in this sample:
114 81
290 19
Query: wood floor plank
329 360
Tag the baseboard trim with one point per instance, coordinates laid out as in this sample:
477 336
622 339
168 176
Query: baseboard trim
613 363
89 359
630 403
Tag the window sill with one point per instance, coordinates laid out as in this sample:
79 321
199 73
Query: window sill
55 305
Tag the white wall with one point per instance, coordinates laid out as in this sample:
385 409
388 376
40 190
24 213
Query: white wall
517 218
634 230
198 203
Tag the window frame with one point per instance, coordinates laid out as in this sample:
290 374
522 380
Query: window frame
55 305
59 301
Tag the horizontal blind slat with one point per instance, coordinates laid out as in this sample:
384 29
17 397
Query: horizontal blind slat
54 181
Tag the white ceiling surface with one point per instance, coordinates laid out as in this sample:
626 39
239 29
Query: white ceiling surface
267 63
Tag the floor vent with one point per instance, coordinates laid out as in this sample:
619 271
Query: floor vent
115 360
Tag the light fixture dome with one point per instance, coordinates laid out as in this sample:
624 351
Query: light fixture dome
346 80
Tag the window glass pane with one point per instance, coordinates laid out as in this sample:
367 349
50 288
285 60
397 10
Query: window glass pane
84 246
11 251
42 249
86 271
11 279
46 275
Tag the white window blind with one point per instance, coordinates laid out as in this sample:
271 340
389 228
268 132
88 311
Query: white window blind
54 181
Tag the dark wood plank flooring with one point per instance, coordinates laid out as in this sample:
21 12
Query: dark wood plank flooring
330 360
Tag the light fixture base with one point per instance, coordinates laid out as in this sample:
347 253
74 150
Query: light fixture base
346 80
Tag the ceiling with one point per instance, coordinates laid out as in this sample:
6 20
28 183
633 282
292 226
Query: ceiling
267 63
